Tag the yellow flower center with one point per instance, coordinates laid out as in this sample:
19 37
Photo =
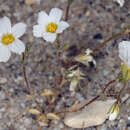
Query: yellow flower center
7 39
51 27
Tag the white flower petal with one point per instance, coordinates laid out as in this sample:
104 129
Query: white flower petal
49 37
113 116
17 47
37 31
5 25
18 29
55 14
62 26
124 52
4 53
43 18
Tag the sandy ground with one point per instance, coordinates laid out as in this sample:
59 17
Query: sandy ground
91 21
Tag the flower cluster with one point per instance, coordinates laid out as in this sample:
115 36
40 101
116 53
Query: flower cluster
48 27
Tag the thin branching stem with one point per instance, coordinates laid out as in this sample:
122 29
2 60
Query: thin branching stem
92 100
62 112
106 41
125 32
67 11
25 74
58 44
57 40
103 91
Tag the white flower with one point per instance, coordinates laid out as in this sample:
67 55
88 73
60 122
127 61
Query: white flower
49 25
9 38
114 112
124 52
121 2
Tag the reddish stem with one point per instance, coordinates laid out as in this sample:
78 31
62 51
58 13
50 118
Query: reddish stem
107 40
25 75
67 11
95 98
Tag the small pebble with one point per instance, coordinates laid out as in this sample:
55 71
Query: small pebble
97 36
103 128
2 95
2 109
92 115
27 121
3 80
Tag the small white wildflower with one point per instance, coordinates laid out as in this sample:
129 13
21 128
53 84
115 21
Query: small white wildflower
9 38
124 52
121 2
114 112
49 25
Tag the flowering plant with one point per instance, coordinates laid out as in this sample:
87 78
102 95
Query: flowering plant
71 69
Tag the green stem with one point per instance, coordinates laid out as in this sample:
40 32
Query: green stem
121 91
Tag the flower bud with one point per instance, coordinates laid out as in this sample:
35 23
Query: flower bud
114 112
73 84
86 58
74 76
